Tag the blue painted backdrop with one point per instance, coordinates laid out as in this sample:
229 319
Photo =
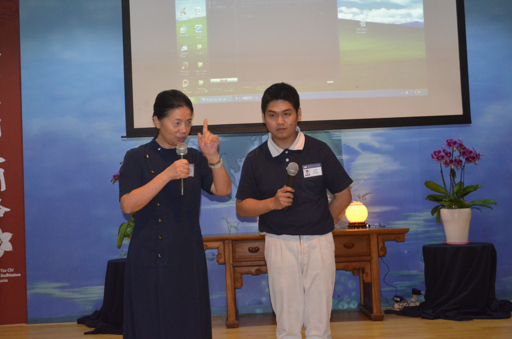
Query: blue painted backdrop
73 120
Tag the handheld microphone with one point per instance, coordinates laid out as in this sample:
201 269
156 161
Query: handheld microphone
182 150
292 169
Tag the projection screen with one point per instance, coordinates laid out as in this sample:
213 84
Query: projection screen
356 64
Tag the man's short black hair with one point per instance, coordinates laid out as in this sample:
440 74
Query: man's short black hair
280 91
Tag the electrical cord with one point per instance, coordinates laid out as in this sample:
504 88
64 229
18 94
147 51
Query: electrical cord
398 301
385 282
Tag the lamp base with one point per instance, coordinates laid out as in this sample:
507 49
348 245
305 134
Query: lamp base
357 225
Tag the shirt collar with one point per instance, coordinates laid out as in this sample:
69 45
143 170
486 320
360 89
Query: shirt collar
297 145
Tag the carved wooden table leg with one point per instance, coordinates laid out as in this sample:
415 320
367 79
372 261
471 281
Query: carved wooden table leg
375 284
232 319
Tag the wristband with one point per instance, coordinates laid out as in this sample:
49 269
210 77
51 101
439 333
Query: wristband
217 164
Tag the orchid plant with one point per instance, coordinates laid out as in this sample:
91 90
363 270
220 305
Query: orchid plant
126 228
452 194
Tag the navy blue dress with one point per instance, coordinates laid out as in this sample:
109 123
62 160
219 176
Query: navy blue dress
166 282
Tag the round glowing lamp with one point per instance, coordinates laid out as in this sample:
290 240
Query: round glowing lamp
356 214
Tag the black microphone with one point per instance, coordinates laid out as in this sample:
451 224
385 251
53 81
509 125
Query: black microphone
182 150
292 170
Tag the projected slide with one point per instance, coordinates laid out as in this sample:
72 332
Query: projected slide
350 60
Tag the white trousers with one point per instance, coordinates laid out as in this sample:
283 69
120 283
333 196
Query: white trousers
301 275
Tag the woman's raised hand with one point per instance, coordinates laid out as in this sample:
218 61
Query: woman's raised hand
208 142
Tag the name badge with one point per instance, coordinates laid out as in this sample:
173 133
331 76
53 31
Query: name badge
191 170
312 170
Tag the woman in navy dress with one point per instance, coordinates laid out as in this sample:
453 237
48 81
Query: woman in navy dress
166 282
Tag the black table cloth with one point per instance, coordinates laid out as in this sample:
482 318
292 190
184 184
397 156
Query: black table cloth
460 284
109 319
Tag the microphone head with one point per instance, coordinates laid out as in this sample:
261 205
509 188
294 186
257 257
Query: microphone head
292 169
181 149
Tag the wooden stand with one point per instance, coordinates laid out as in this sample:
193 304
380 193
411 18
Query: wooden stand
356 250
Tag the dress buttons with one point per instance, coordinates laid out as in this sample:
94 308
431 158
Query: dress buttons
286 152
159 237
157 204
159 255
159 220
152 172
287 159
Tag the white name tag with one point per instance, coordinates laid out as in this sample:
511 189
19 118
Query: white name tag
191 170
312 170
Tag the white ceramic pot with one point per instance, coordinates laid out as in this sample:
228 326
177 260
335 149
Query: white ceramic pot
456 225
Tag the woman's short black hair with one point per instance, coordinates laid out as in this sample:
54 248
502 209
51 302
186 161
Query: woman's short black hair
168 100
280 91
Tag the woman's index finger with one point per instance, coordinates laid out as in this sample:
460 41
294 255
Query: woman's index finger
205 126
